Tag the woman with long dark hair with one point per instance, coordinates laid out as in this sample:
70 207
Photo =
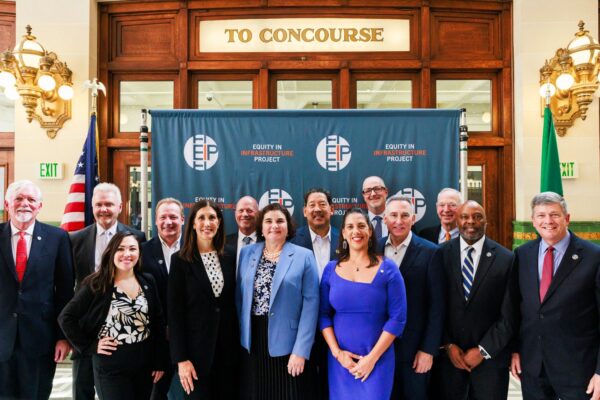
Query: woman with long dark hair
116 317
203 330
362 311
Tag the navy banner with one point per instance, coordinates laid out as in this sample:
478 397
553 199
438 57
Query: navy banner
277 155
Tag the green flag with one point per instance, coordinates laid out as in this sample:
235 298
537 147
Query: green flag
551 180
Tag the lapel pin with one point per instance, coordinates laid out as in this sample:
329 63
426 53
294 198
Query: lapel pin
488 254
145 287
575 257
381 271
39 238
160 261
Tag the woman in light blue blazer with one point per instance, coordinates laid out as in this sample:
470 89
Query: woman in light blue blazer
277 300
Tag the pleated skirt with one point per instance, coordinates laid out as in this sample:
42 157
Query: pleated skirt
265 377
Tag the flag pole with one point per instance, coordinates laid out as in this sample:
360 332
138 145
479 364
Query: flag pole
464 153
94 85
144 170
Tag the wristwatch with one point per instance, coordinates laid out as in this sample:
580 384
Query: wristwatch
484 353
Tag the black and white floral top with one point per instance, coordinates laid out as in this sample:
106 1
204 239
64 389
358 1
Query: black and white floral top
214 271
127 320
262 286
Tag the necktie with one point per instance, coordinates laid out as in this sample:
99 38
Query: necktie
547 271
247 240
448 237
104 242
21 261
468 272
378 232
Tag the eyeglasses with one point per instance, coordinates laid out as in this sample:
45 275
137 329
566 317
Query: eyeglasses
451 206
376 189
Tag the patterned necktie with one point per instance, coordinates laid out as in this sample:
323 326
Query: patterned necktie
468 272
547 271
448 236
378 231
21 261
247 240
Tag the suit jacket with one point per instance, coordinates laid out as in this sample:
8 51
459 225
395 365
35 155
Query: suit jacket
84 249
28 311
231 244
303 239
431 233
423 276
487 317
202 327
563 331
294 303
83 317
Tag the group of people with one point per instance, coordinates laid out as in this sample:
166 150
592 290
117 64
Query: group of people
370 311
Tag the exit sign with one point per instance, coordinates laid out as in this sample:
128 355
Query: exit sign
569 170
50 170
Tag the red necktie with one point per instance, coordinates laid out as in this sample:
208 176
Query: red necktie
547 271
21 261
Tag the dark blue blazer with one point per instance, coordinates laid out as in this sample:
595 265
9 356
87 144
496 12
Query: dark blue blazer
563 331
302 239
29 311
431 233
423 276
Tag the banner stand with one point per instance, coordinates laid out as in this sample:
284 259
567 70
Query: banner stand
144 170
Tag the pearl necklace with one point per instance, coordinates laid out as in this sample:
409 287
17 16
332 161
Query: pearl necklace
271 255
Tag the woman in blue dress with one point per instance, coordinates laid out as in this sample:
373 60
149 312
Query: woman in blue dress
362 311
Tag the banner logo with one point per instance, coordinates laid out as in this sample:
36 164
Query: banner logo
200 152
277 196
418 201
333 153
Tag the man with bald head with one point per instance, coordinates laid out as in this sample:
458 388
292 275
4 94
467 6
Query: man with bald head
246 213
480 297
375 194
447 204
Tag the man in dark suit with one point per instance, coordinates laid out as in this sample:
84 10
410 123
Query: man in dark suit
246 213
421 267
559 282
88 245
375 193
480 298
156 260
36 282
322 239
448 202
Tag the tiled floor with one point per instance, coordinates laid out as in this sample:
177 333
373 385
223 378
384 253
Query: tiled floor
62 385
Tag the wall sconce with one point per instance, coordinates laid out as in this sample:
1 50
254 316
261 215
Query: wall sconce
570 79
41 80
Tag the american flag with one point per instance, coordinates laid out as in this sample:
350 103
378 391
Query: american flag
78 211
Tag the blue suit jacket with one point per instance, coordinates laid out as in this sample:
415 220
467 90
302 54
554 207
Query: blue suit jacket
303 239
423 276
30 310
294 304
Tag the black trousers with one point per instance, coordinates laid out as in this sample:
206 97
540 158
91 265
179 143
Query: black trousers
408 385
318 357
26 377
83 378
540 388
161 388
486 382
124 375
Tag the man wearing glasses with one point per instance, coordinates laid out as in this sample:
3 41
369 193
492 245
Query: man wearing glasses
375 194
448 202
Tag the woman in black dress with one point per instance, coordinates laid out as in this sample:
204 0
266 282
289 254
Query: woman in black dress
203 330
117 318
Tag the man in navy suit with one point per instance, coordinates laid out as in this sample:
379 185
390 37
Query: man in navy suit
88 245
420 264
448 202
375 193
156 260
36 282
559 282
322 239
246 213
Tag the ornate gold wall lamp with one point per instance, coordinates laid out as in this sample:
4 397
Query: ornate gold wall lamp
570 79
41 80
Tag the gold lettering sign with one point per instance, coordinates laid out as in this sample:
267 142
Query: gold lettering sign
304 35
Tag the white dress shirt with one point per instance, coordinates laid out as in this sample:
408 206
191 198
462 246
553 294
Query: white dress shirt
397 254
476 254
102 242
168 251
14 239
240 243
442 237
384 229
321 249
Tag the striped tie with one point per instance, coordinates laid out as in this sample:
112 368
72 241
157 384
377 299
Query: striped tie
468 272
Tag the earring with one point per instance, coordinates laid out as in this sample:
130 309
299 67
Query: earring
344 244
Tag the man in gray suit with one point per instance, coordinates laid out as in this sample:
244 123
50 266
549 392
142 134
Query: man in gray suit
88 245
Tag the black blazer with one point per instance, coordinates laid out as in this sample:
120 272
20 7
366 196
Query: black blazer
423 276
231 244
563 332
487 318
303 239
83 317
201 326
84 249
431 233
28 310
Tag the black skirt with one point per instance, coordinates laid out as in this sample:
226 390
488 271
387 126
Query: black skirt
265 377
